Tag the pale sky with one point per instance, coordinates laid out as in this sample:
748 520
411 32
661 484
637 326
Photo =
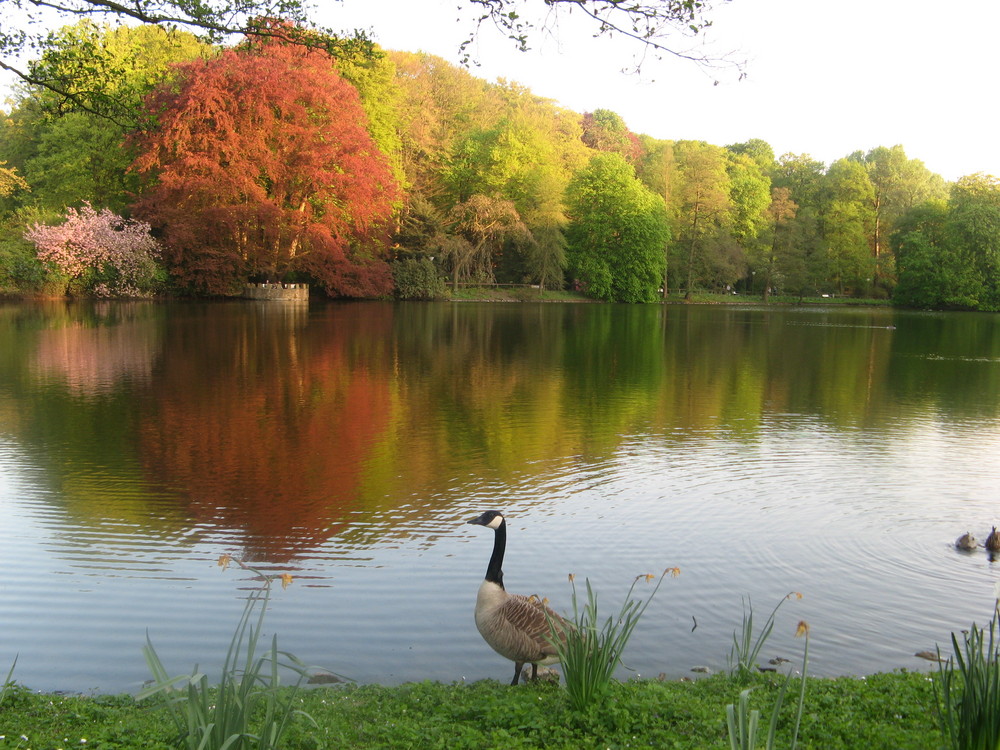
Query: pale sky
823 78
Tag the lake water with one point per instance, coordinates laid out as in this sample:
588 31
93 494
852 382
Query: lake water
833 452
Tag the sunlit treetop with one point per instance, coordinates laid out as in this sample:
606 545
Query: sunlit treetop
28 28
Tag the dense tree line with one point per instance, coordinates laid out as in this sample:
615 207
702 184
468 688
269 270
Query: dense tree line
371 172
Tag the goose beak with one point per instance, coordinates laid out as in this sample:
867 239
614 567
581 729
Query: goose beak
478 520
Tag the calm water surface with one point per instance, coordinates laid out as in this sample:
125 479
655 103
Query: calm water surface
837 453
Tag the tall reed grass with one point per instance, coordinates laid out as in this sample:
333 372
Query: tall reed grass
746 647
590 651
245 709
8 683
968 688
744 723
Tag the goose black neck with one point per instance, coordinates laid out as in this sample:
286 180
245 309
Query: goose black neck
494 574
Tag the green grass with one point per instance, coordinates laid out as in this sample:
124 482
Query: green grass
882 711
717 298
524 294
513 294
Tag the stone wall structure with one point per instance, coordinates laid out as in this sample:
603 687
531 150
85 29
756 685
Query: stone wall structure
280 292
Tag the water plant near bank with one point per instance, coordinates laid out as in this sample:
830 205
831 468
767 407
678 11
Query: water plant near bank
744 722
8 683
591 651
746 646
247 707
968 689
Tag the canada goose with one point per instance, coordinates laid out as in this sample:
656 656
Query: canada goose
993 541
515 626
966 541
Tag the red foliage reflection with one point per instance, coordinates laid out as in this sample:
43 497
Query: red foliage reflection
266 428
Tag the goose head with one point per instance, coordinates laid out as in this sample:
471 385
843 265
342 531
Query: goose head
491 519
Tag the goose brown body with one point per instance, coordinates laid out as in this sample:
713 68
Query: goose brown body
515 626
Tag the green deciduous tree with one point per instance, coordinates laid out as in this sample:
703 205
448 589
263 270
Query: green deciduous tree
78 156
10 180
750 194
802 175
617 231
974 230
658 171
778 252
848 221
438 104
374 77
898 184
704 210
931 273
759 151
948 254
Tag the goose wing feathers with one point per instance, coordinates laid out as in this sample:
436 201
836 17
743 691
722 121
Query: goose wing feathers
519 630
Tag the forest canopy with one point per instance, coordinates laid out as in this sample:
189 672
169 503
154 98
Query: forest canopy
365 174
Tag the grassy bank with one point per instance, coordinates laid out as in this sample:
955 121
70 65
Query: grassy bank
527 294
882 711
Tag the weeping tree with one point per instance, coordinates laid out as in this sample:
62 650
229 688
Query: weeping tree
481 227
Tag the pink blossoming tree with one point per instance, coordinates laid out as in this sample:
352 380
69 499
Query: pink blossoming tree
100 252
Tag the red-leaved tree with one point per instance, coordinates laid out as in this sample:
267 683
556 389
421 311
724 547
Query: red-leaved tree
261 165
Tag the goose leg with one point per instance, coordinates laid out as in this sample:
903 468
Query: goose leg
517 672
534 672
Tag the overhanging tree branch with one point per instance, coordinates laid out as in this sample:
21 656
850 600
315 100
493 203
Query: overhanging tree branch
656 25
26 29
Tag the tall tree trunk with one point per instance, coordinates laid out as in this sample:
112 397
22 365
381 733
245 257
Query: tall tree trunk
666 267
